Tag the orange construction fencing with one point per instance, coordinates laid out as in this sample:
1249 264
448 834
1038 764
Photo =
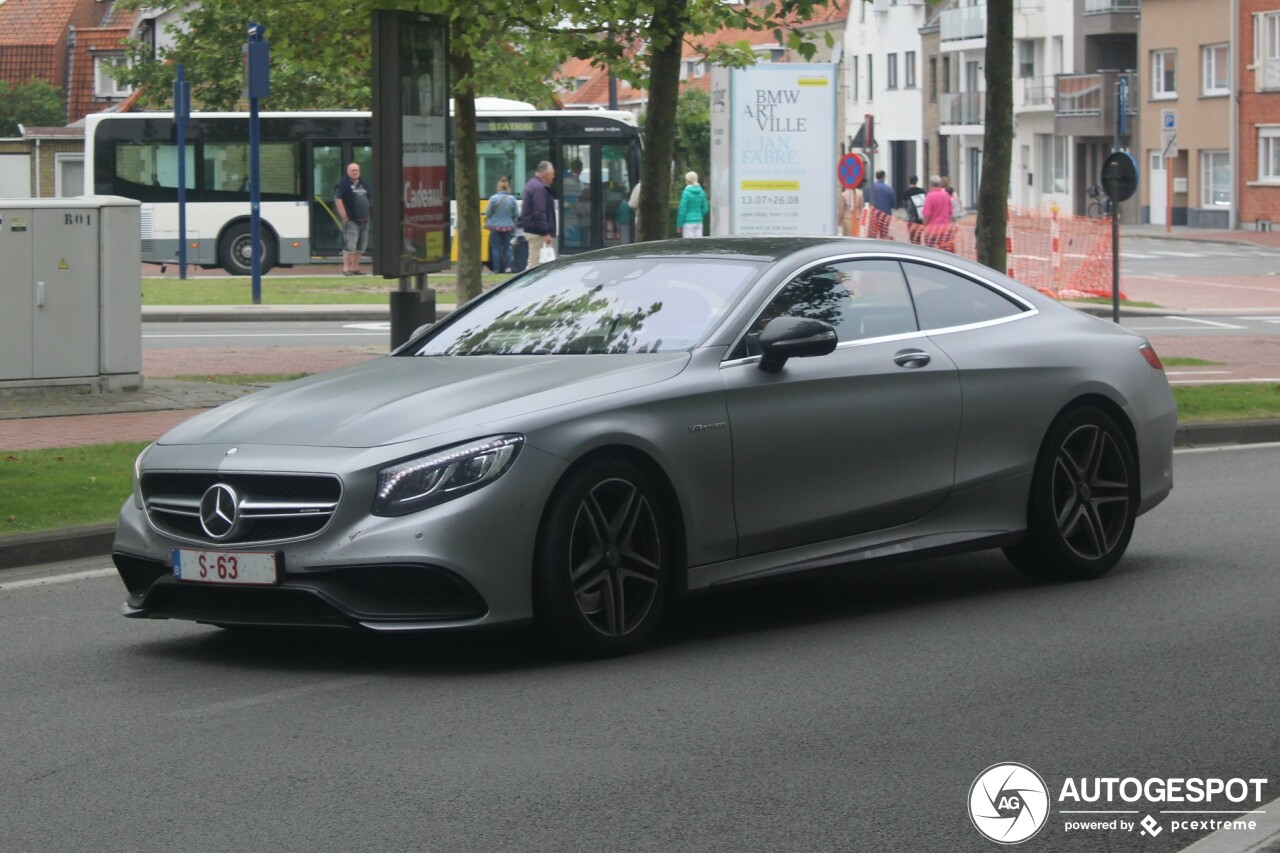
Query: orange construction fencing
1064 256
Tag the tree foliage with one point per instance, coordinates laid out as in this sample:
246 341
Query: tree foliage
33 104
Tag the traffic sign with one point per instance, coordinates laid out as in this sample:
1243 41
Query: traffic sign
1120 175
1169 133
851 169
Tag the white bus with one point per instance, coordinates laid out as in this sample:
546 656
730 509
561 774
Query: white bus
304 154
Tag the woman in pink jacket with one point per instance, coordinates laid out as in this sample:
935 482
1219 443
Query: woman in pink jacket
938 230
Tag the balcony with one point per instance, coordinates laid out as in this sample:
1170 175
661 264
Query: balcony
1111 7
1085 104
967 22
962 107
1037 92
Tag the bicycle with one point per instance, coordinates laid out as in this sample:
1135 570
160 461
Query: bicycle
1100 206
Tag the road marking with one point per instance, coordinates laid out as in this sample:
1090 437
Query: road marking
54 579
1179 254
380 327
1213 323
1220 448
1138 256
270 335
1194 372
1251 380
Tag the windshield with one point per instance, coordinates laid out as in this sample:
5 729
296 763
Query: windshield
633 305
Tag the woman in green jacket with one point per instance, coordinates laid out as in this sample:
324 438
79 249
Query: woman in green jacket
693 207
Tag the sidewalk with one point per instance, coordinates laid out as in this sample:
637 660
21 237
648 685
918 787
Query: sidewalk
51 417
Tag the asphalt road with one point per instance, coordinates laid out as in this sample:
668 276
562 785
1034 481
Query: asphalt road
830 714
1191 258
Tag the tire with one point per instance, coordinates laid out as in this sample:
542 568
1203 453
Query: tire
1094 211
1083 503
234 250
603 563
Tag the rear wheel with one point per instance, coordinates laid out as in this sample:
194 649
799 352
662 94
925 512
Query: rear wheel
235 250
604 560
1084 499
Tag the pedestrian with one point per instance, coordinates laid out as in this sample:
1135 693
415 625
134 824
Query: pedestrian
913 200
538 215
500 217
956 209
849 211
883 201
936 214
693 207
353 200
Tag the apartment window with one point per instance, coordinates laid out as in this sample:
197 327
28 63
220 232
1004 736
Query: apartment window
1164 77
871 79
104 84
909 68
1269 43
1026 58
1269 154
1217 69
933 79
1215 179
1053 163
891 71
853 91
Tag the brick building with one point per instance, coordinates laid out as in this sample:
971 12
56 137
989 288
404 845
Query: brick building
1258 113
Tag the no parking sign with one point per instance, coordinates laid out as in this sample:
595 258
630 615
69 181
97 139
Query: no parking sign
851 169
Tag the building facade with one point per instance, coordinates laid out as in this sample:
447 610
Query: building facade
1257 70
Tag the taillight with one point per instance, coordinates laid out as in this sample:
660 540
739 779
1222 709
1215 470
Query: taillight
1149 353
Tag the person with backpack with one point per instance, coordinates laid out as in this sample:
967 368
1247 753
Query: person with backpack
913 200
500 217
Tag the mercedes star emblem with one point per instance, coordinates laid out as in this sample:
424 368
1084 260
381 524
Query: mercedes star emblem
219 511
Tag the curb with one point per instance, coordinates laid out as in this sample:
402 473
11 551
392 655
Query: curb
50 546
91 540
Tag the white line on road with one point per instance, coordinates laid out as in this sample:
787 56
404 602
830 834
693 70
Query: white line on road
52 579
1213 323
278 335
1178 254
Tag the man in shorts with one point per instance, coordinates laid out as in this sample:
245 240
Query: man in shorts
353 200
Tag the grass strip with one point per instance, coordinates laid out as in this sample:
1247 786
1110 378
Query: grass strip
290 290
63 487
1227 402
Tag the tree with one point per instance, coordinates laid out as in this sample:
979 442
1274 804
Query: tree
997 138
320 54
663 26
33 104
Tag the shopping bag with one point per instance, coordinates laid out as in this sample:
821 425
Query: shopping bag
546 254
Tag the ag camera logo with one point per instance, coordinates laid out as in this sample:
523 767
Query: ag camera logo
1009 803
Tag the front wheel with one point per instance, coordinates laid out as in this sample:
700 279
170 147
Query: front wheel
604 560
1084 500
235 250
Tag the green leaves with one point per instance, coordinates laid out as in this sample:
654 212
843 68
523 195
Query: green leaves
33 104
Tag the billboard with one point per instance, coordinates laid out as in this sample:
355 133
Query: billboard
781 148
410 143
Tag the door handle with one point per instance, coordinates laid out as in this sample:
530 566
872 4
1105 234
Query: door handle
911 358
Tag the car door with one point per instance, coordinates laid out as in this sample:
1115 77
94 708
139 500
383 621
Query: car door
860 439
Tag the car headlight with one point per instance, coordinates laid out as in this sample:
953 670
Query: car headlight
137 476
443 475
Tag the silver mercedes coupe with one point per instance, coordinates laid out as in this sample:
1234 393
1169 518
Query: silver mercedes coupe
604 433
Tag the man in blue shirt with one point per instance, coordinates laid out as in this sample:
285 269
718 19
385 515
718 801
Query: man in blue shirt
884 201
353 200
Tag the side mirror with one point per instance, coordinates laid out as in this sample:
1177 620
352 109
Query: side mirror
794 337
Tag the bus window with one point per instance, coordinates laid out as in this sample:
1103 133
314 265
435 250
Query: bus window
615 188
225 176
148 171
575 197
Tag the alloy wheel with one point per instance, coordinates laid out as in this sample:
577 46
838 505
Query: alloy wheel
1091 492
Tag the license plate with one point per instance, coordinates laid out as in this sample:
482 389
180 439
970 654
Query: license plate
237 568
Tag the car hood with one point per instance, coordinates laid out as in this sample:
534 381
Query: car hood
397 399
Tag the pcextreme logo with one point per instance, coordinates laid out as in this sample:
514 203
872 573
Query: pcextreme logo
1009 803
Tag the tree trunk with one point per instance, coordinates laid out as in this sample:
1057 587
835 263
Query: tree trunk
997 138
660 119
466 176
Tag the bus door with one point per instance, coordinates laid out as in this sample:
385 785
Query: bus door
596 183
329 161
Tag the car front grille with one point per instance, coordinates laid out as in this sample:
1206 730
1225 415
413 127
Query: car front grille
269 507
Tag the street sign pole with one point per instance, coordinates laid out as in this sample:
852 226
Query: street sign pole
257 86
181 115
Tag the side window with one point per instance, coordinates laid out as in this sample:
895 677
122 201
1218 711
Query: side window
859 298
944 298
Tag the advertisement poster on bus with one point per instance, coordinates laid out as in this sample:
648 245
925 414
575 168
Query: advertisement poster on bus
782 139
411 143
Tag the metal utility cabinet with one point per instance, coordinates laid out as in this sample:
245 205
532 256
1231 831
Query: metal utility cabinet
70 292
